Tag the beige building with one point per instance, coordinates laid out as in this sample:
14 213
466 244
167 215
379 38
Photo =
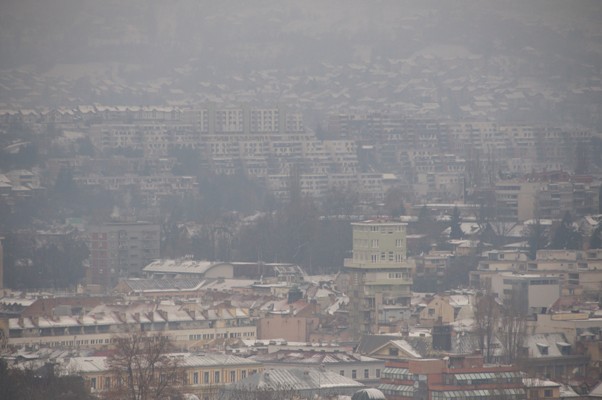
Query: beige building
574 326
291 328
541 389
516 200
437 310
533 293
186 325
529 199
579 271
202 375
380 274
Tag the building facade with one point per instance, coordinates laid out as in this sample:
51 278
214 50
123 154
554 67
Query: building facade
120 250
201 375
98 328
380 274
455 377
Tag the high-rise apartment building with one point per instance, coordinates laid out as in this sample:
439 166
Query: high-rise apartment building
380 274
120 249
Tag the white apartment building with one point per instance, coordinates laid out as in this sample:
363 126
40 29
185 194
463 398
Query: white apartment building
533 293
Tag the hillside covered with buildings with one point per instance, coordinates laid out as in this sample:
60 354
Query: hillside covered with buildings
284 200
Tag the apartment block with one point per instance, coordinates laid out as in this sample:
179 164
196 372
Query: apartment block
120 249
380 274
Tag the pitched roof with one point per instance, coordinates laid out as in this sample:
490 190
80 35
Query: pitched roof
545 344
155 285
181 266
369 343
596 391
368 394
298 379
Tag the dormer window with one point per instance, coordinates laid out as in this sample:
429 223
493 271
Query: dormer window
564 348
543 348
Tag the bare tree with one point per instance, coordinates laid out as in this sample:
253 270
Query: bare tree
142 369
487 318
501 229
514 326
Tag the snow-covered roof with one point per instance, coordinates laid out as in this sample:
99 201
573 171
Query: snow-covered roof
180 266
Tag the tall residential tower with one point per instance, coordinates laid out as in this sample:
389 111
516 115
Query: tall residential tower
380 275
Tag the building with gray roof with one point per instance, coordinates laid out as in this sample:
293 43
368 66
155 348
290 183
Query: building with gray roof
306 383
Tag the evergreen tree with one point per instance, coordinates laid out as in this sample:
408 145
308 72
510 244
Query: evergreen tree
565 236
27 384
595 241
65 185
456 229
424 214
536 238
394 202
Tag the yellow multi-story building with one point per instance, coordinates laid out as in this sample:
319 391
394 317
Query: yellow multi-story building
380 274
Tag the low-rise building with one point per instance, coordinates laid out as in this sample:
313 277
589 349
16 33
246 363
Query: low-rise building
304 383
201 375
355 366
455 377
188 268
532 293
550 356
184 324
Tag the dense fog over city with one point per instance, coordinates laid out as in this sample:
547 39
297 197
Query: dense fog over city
336 55
316 199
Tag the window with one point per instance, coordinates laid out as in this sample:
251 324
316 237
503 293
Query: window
195 378
243 374
93 383
398 243
205 377
232 376
547 393
374 243
378 372
342 372
216 377
107 382
353 374
543 349
366 373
